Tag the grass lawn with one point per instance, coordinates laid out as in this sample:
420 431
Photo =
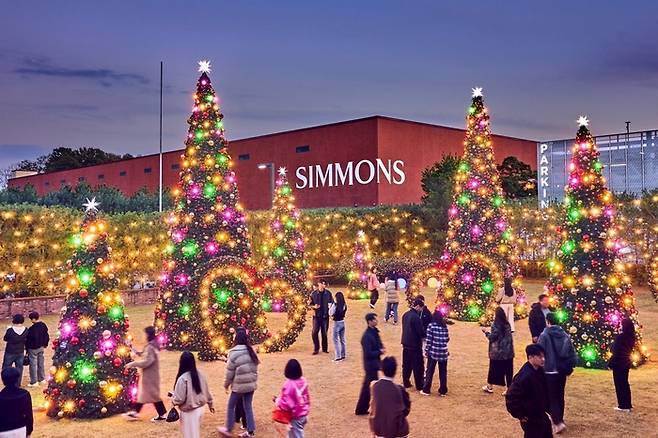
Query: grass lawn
466 412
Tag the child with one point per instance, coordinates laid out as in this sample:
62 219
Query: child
294 398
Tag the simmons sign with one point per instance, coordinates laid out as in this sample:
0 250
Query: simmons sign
347 174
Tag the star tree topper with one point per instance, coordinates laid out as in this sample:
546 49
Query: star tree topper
582 121
204 66
282 171
477 91
91 205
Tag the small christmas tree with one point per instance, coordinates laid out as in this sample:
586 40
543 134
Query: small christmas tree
358 276
592 293
479 246
88 378
652 269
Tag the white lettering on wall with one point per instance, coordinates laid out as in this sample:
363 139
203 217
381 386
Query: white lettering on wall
371 174
544 167
337 174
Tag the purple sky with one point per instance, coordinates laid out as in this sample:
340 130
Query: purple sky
81 73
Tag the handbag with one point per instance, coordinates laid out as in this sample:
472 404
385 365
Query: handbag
26 360
173 415
281 416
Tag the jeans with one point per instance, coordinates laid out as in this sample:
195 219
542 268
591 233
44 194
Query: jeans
556 384
443 376
391 308
509 313
247 398
537 428
159 407
16 360
297 427
374 296
622 388
363 404
412 361
37 369
339 339
320 325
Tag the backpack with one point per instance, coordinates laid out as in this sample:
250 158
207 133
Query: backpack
564 365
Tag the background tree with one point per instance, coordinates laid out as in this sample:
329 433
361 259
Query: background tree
517 178
358 276
438 183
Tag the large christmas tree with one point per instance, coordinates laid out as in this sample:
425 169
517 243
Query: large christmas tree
88 378
207 286
358 275
592 293
479 246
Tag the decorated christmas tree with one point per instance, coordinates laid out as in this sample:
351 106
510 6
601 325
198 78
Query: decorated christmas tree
358 275
207 285
88 378
479 248
591 292
284 244
652 270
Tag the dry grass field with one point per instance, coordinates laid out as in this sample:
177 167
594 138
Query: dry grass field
466 412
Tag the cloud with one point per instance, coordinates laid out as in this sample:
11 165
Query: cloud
41 66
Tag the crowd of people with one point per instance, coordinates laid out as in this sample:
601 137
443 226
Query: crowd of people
535 395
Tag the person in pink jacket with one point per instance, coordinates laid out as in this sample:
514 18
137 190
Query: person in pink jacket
294 398
373 284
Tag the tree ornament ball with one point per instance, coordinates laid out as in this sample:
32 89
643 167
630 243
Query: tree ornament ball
432 282
103 410
60 414
573 330
84 293
99 260
106 334
116 362
97 355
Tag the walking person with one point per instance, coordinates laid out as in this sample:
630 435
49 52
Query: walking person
621 362
294 398
340 309
412 346
537 317
501 352
37 341
392 299
527 398
373 285
149 381
373 349
560 360
436 350
191 394
390 404
320 300
16 420
15 337
241 378
506 299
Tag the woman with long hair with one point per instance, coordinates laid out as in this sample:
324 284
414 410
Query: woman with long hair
501 352
621 362
241 378
191 394
436 350
339 327
506 299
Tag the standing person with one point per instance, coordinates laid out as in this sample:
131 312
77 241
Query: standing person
506 299
501 352
537 317
294 398
372 352
425 313
389 405
339 327
149 381
15 337
436 350
392 299
373 285
242 378
191 394
527 398
412 345
320 301
16 420
620 363
560 360
37 341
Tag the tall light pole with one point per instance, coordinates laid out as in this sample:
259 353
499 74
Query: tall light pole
263 166
160 155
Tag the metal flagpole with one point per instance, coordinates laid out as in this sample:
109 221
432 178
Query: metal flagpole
160 183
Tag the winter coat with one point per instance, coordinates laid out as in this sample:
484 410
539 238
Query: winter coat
528 395
294 398
15 337
436 342
425 317
323 298
372 349
502 298
412 330
373 282
389 407
37 336
392 294
501 343
241 370
186 398
339 313
149 382
15 409
536 320
561 348
622 349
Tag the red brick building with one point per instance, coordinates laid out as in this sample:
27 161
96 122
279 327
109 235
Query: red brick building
371 161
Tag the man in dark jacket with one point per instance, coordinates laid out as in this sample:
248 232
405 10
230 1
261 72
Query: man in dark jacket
372 352
537 317
412 346
37 340
15 337
425 314
527 398
320 301
561 358
15 405
389 405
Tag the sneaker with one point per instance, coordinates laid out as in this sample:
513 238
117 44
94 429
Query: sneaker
443 395
395 323
337 359
423 393
32 385
158 419
316 352
487 388
223 431
559 428
504 393
43 382
130 416
372 306
246 434
617 408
